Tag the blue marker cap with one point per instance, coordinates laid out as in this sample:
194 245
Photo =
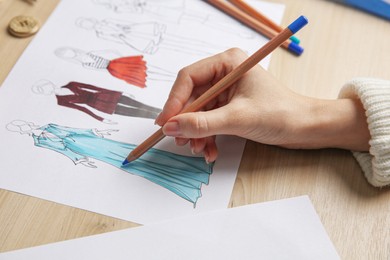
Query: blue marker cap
295 39
298 24
295 48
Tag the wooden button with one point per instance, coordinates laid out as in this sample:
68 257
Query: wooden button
23 26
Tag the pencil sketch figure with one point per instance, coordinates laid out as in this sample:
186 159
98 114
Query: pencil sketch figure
182 175
132 69
90 99
146 37
175 11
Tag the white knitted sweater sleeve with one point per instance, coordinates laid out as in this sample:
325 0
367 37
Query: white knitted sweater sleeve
375 97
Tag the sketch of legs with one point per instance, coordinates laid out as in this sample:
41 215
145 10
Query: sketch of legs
182 175
130 107
160 74
189 45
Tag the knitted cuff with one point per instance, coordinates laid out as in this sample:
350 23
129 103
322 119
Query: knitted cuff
375 97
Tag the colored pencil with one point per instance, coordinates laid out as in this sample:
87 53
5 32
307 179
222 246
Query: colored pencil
223 84
248 20
245 7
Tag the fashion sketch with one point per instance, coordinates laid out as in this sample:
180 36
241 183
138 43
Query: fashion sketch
146 37
183 175
88 98
175 11
132 69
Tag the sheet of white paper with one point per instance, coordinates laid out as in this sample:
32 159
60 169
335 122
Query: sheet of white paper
48 162
283 229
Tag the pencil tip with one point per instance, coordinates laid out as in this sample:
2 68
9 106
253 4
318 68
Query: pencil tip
128 160
125 162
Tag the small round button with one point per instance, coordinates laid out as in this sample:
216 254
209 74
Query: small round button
23 26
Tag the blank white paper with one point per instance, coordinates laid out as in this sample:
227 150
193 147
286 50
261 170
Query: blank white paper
282 229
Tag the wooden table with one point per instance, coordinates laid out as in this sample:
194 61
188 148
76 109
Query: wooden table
340 43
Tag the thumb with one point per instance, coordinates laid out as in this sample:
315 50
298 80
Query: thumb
198 124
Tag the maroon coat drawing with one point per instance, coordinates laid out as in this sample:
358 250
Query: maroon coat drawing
104 100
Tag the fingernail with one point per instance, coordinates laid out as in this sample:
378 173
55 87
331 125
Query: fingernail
172 129
192 145
207 157
157 119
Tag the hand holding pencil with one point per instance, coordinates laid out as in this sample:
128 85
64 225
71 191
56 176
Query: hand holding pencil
185 83
256 107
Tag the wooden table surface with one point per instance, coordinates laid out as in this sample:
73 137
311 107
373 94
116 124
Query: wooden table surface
340 43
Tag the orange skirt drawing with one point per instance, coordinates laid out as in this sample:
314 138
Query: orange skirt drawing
131 69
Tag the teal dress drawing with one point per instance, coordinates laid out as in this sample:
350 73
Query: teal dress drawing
183 175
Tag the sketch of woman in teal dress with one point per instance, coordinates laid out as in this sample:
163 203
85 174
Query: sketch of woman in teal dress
183 175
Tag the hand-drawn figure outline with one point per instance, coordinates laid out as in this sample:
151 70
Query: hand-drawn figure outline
82 97
146 37
182 175
175 11
132 69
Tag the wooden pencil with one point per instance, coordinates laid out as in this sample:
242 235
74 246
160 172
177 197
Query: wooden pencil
223 84
256 25
248 9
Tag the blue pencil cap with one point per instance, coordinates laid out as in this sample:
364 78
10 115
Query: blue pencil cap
298 24
295 48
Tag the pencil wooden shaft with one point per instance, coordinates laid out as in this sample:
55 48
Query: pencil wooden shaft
247 19
217 89
255 13
146 145
235 74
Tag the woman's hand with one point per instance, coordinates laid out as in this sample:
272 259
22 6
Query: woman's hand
256 107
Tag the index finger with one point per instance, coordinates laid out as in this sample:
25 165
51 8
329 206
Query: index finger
196 78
